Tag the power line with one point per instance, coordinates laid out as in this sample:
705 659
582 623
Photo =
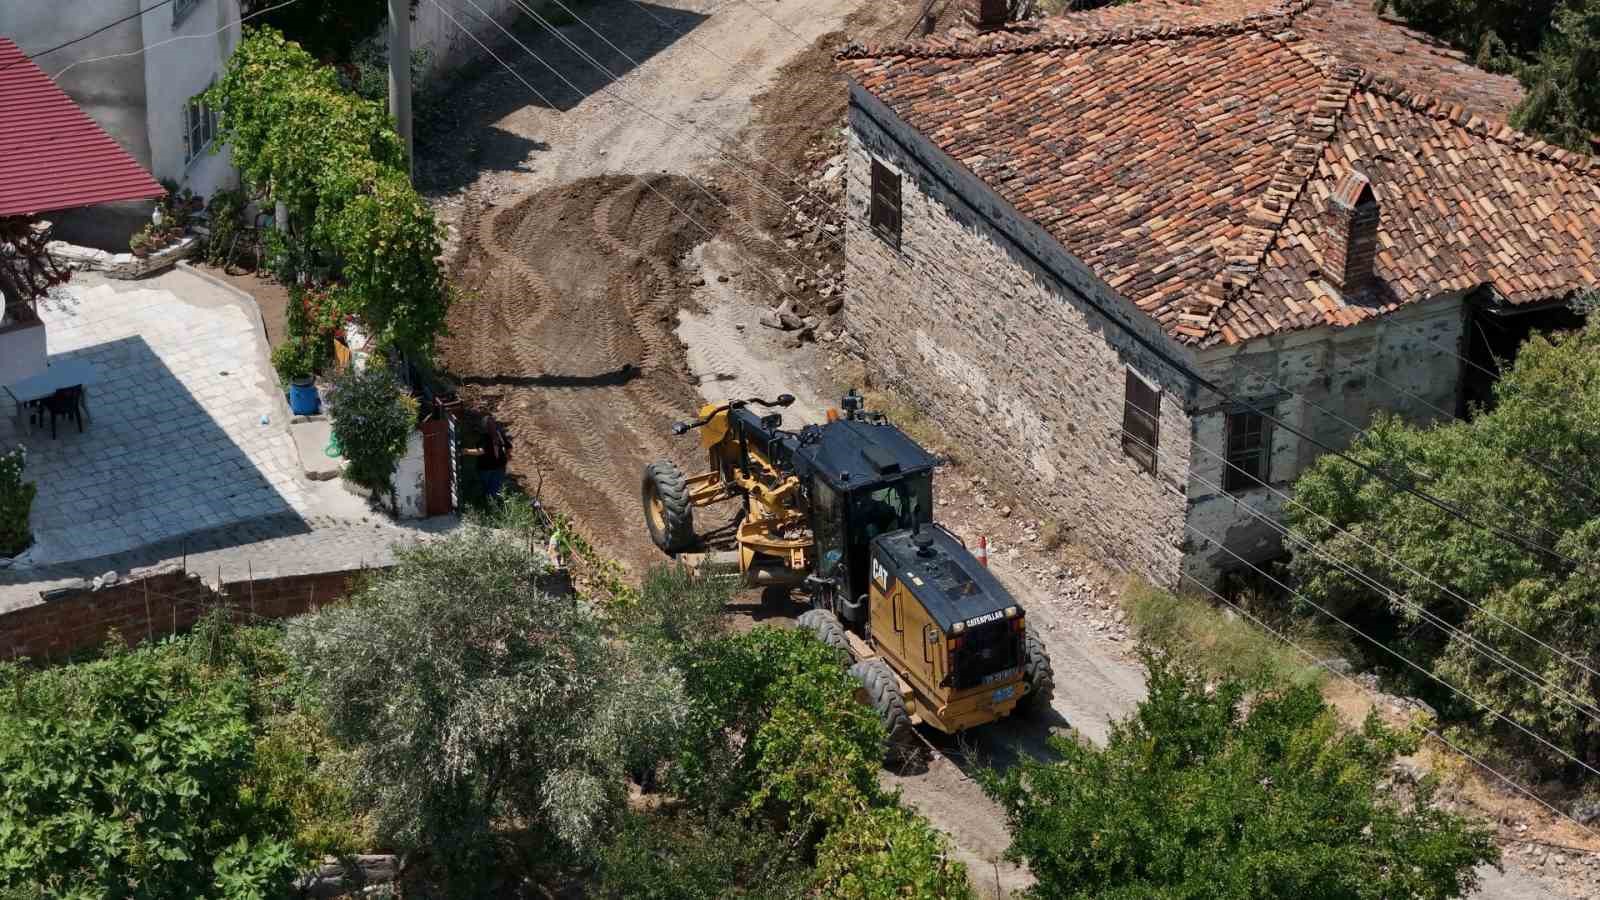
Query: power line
1374 694
173 40
625 100
104 28
1448 508
1503 661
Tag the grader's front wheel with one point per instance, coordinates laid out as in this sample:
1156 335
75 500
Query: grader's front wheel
667 512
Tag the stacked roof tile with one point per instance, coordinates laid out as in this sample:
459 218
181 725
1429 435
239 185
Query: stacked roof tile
1185 151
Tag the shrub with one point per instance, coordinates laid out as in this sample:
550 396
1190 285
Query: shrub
474 699
776 734
678 854
372 417
132 776
297 357
1523 466
225 221
1194 631
16 503
1195 797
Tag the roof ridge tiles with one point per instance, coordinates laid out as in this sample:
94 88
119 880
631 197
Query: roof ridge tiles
1273 21
1464 118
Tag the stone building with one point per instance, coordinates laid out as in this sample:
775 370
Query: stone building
1151 261
135 67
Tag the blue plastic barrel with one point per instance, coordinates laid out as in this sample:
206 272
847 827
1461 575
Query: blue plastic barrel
303 399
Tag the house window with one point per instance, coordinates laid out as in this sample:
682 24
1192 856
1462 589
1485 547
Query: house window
200 125
182 8
1249 452
886 203
1141 421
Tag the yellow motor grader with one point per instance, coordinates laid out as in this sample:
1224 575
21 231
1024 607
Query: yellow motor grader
842 512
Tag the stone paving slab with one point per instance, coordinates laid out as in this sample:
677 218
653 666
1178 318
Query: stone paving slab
175 441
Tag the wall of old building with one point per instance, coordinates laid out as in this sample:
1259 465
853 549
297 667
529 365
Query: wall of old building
1325 384
1011 356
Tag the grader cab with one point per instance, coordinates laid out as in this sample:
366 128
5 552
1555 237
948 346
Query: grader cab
842 513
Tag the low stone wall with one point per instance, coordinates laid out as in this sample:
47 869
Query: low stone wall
79 618
122 266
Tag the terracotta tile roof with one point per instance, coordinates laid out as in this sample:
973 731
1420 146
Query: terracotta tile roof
1185 152
52 155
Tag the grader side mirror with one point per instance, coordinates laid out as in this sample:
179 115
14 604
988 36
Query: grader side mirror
785 400
680 428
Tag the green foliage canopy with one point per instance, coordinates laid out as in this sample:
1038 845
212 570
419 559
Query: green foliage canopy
1526 466
1552 46
474 698
135 776
337 162
1193 797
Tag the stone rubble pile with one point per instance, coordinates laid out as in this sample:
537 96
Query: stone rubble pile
813 236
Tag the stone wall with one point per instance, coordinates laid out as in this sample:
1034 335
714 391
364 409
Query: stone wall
79 619
1011 356
1326 384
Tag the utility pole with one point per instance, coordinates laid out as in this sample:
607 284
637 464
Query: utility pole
400 73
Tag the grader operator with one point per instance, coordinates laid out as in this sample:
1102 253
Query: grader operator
843 513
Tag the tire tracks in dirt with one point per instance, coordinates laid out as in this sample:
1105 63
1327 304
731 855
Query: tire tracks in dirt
560 333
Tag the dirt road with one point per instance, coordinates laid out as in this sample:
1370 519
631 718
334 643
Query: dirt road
584 245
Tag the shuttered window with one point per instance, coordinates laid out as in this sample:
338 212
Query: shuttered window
1249 452
1141 421
886 203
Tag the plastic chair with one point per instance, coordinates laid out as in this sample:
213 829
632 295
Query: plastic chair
66 402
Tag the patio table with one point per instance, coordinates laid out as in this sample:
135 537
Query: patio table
57 375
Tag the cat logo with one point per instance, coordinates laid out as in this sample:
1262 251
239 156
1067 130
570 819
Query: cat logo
880 575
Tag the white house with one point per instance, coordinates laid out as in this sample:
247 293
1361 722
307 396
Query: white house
138 79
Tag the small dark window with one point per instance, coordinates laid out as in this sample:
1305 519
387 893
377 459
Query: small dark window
886 203
1249 452
1141 421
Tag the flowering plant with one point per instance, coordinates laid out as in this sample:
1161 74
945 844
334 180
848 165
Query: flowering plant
16 503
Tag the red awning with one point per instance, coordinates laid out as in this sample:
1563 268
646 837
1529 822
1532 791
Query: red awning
52 155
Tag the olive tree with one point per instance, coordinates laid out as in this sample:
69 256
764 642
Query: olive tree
475 697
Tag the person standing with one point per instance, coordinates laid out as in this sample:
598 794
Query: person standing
493 457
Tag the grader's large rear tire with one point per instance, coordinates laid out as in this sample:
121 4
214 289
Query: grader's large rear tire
883 692
1041 676
667 512
825 625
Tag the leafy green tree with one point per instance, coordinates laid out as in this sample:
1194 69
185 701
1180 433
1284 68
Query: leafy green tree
1552 46
1527 467
336 161
136 776
1202 795
476 700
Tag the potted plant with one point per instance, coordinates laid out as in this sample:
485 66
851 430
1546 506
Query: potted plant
139 244
296 363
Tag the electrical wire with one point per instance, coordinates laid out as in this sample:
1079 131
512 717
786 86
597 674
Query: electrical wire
606 71
34 58
1358 632
173 40
1448 508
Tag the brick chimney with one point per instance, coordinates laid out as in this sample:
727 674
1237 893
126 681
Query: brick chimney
1350 236
987 15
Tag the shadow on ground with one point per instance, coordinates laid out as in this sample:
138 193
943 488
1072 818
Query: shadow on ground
560 59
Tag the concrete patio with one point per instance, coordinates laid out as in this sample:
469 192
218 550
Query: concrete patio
175 444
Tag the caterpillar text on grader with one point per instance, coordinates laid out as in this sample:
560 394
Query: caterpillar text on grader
843 513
